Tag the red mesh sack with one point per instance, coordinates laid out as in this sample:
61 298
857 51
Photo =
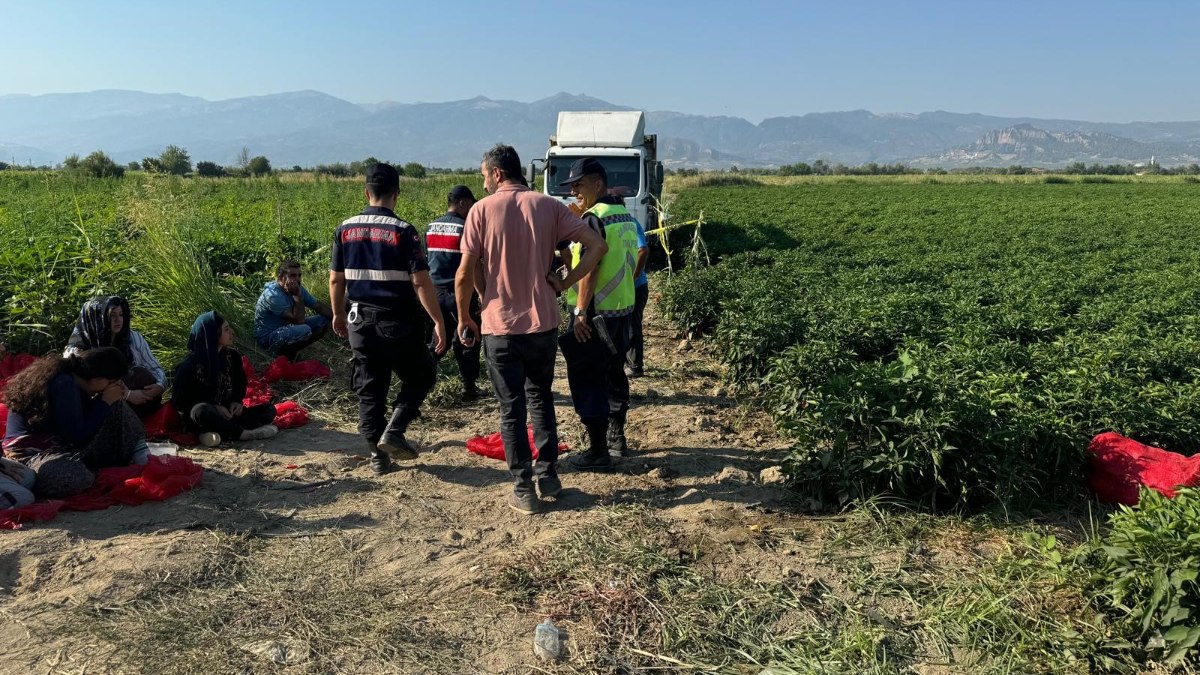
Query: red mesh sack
161 478
12 364
493 447
300 371
257 391
12 519
289 415
1120 466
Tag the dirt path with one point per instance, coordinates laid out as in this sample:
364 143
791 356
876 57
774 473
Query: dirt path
410 557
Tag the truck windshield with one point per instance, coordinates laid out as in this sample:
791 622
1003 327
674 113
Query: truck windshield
624 174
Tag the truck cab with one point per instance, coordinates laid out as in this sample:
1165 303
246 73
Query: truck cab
618 140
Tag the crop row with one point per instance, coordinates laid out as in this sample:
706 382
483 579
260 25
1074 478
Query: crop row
954 344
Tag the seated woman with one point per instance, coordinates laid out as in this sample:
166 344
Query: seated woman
104 322
67 419
210 385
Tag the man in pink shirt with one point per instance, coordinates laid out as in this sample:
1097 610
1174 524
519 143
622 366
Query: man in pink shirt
512 236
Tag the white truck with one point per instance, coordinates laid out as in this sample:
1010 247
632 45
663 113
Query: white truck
619 141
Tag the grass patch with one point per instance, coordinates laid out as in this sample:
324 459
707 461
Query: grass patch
306 603
876 590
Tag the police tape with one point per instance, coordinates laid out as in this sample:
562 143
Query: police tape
668 228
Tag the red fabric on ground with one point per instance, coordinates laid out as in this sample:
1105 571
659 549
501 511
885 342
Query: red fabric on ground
493 447
289 415
161 478
165 423
1119 466
282 369
257 391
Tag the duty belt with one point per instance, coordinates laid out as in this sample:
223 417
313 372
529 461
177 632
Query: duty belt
359 313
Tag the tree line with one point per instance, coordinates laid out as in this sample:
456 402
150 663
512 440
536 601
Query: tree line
821 167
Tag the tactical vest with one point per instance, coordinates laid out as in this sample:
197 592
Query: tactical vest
614 288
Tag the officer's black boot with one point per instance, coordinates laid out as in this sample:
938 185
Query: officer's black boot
380 462
393 442
617 447
596 458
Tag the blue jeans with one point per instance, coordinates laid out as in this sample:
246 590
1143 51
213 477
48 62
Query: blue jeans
289 335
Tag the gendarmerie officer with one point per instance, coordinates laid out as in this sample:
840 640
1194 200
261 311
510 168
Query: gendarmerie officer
443 237
382 296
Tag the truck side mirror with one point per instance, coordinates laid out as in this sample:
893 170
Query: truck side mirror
658 173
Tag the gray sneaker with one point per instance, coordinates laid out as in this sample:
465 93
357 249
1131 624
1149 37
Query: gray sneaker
549 486
525 502
260 433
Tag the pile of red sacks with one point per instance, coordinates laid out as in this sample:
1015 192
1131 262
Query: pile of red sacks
1120 466
160 479
493 447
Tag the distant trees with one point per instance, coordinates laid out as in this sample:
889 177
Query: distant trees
175 160
360 168
209 169
258 166
414 170
98 164
243 159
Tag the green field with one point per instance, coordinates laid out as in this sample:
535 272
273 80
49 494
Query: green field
948 343
176 247
953 344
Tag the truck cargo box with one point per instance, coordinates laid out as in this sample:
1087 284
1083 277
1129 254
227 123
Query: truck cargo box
620 129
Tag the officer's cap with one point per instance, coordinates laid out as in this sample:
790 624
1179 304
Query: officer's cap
383 179
585 166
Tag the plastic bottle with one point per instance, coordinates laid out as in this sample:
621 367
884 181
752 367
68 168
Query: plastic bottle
547 642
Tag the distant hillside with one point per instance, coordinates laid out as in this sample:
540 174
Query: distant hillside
1026 144
309 127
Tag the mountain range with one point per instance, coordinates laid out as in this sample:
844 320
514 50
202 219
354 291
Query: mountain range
309 127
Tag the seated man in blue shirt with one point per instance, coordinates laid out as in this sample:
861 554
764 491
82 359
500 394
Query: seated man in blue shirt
280 325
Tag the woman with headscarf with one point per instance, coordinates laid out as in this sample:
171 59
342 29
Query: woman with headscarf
104 322
210 385
67 419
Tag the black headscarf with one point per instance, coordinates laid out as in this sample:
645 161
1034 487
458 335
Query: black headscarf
94 329
204 343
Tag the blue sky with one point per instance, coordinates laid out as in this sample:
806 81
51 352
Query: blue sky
1097 60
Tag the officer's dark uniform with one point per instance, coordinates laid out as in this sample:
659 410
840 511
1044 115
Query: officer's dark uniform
379 254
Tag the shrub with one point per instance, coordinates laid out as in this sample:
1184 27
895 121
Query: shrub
100 165
1146 569
414 170
259 166
209 169
175 160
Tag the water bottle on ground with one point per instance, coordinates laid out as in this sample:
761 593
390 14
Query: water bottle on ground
547 642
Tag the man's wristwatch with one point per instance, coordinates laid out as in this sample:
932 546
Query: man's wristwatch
578 311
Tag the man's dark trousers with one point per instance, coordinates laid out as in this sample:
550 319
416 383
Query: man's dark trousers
383 345
637 344
466 357
521 368
599 386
